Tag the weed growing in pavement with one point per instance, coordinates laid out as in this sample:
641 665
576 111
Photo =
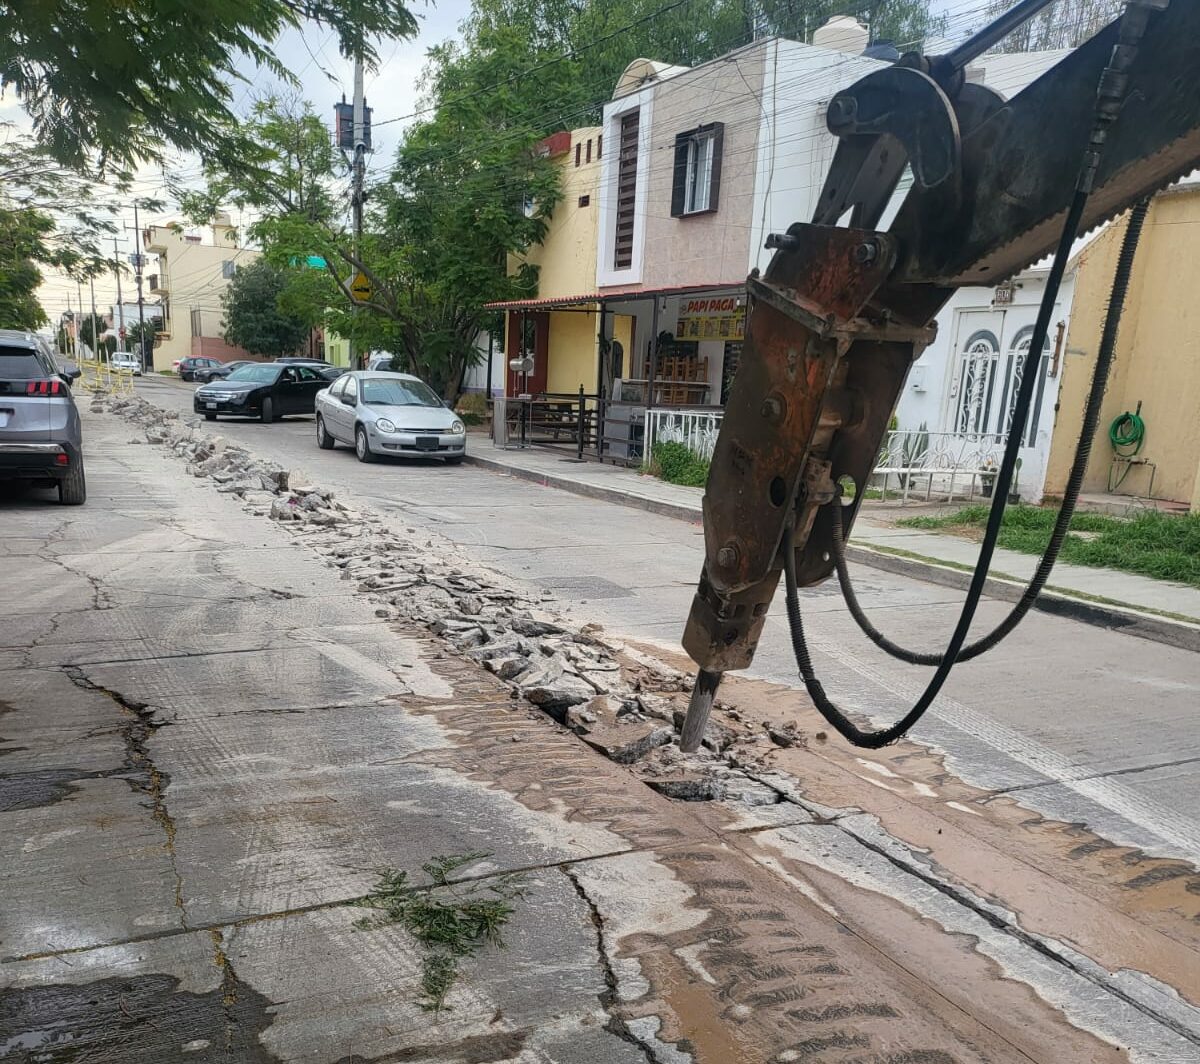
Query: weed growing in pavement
451 920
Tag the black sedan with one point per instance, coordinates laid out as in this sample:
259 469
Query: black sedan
264 390
223 370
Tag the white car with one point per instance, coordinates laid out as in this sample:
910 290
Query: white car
123 360
388 413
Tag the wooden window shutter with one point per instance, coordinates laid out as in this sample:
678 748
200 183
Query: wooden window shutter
714 193
627 163
679 178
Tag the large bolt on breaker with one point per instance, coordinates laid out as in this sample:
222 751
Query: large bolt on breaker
841 312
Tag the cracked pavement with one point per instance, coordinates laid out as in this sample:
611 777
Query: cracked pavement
209 743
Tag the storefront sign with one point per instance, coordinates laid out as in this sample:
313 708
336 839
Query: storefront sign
716 318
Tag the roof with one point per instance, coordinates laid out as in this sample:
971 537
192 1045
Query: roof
624 296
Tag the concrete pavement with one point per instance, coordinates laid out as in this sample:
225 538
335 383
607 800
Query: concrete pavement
259 742
1087 725
874 533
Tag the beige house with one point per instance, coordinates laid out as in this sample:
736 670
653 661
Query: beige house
1156 371
190 274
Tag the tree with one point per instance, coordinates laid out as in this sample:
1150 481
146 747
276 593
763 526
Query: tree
119 81
140 338
253 318
50 216
1066 24
23 244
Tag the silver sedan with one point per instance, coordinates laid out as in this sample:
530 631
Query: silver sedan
381 413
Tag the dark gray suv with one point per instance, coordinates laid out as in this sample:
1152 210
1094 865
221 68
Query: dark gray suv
40 436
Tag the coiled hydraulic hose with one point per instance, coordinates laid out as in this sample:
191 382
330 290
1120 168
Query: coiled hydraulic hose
1083 450
1109 94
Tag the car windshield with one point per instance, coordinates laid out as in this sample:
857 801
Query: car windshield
261 373
397 391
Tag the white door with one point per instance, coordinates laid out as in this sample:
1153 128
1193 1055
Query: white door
991 351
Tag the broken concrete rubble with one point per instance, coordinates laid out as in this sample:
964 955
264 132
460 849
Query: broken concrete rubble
567 671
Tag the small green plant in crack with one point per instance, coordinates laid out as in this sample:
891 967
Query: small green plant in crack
451 920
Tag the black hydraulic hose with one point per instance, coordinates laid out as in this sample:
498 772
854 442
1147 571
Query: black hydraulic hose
1110 92
1091 420
836 718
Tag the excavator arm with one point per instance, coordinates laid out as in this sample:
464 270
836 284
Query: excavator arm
841 312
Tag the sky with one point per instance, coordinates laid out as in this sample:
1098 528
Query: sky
324 75
392 92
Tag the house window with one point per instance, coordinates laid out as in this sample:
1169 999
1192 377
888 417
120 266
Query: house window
228 269
599 143
697 180
627 163
197 322
584 200
578 150
588 156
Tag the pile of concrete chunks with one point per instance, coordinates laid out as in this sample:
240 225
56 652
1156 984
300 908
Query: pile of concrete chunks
623 703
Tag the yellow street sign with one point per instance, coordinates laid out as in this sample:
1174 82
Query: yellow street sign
360 288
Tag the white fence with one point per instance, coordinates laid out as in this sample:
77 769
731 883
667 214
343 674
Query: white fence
939 462
695 429
911 461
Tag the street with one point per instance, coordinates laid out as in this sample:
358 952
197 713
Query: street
213 744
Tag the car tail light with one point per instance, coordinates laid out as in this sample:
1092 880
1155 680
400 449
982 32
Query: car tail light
62 459
46 387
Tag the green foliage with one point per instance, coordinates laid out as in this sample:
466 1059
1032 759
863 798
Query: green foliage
675 464
253 318
23 244
1165 546
451 920
120 81
472 408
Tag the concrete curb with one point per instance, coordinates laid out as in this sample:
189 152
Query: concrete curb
1125 619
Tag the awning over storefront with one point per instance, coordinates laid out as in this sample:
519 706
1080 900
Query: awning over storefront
588 301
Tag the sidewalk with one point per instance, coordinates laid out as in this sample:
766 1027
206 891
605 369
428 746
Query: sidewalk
1162 610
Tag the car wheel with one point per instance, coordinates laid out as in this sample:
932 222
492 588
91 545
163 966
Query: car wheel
72 489
454 459
324 440
210 417
267 413
362 448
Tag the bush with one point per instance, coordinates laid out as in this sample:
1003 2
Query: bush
472 408
675 464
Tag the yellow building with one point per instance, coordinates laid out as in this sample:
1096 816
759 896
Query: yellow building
560 328
1156 372
189 278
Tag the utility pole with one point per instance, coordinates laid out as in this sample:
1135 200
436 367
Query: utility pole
95 331
137 267
74 328
120 322
79 318
360 165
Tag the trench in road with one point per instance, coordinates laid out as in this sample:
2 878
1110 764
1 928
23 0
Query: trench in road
1047 715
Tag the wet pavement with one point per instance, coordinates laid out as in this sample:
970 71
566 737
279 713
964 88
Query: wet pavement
210 744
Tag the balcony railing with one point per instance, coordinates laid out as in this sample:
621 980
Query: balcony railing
158 286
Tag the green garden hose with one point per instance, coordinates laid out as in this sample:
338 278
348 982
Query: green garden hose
1127 433
1128 430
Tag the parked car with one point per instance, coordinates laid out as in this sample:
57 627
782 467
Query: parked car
40 436
380 362
265 390
122 360
388 413
214 373
326 369
196 368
